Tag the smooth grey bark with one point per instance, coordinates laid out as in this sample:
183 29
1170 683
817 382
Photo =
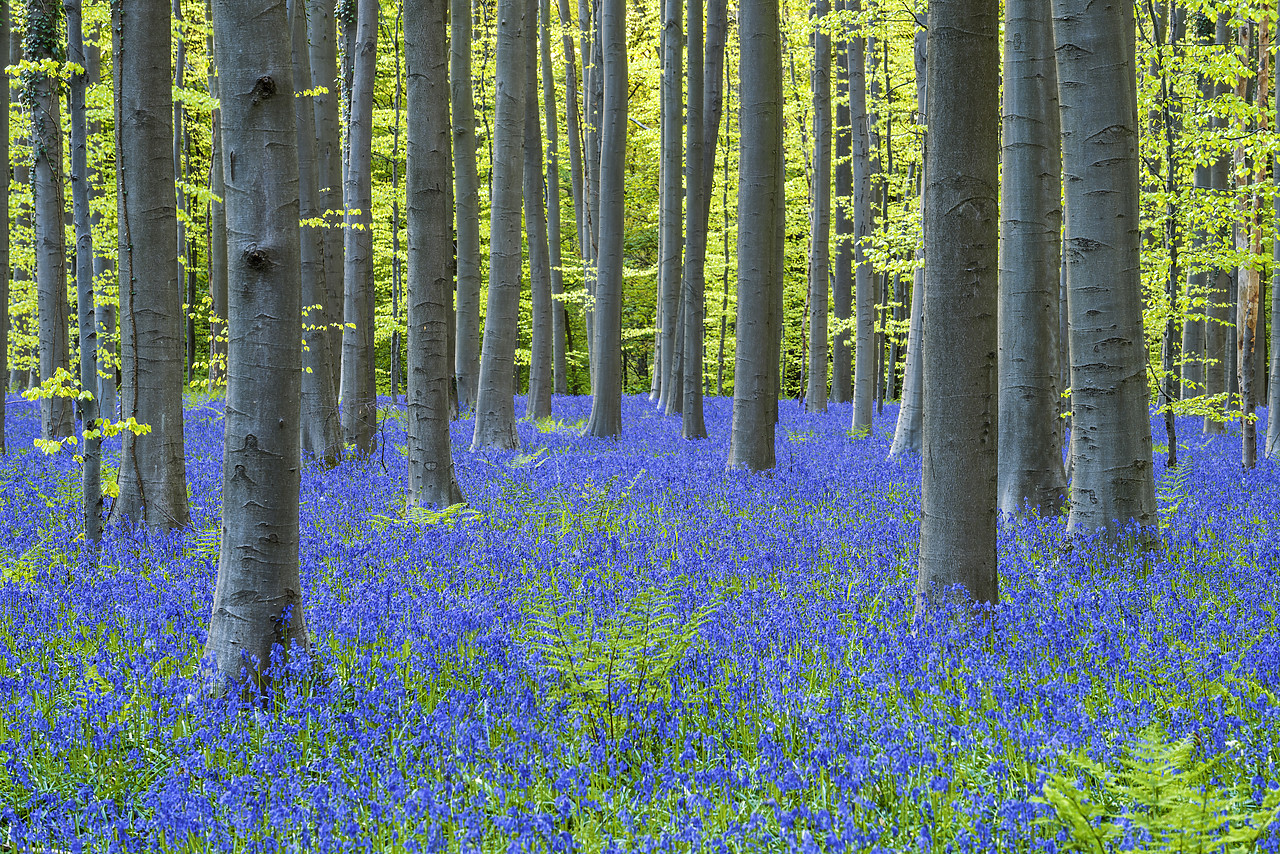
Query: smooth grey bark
713 100
842 263
322 41
693 282
574 129
1030 465
895 343
593 106
467 198
864 381
257 602
321 436
820 214
358 389
41 40
1231 364
179 162
91 479
559 321
961 228
1064 355
217 232
908 434
605 420
5 270
655 375
429 205
347 14
152 478
671 226
761 222
495 424
541 364
711 109
1250 313
1112 479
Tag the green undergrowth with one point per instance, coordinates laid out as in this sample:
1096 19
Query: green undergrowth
1160 789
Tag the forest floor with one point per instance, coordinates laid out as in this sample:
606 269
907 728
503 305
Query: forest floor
619 646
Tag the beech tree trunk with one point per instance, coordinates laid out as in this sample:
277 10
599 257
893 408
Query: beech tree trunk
559 321
57 417
693 284
761 223
842 279
574 127
495 407
908 434
152 478
961 231
593 105
1030 465
864 382
820 214
359 391
717 29
605 420
179 162
1112 480
322 41
1250 320
321 436
257 602
541 364
91 480
429 189
467 193
217 233
671 228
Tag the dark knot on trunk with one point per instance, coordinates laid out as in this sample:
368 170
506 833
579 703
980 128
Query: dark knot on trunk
265 87
257 258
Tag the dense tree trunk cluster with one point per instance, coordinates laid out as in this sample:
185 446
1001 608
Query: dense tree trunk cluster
1011 298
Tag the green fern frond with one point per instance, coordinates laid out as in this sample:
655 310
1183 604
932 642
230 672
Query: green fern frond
635 650
1161 788
22 568
1171 491
208 543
